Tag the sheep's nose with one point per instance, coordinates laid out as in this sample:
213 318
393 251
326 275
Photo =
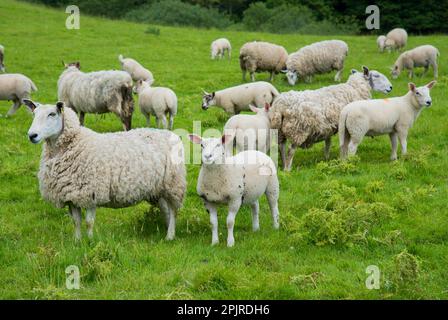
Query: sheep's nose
204 107
428 103
208 156
32 137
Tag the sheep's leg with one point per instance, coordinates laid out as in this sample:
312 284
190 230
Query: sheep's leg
337 77
81 118
244 75
252 76
327 148
171 121
425 71
234 207
394 144
403 141
271 77
14 108
148 119
158 122
90 220
272 193
283 153
344 146
255 219
411 74
77 219
211 208
435 69
170 218
164 123
289 160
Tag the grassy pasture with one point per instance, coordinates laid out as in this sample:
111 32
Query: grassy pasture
337 219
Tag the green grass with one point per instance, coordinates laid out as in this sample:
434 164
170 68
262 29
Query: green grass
312 256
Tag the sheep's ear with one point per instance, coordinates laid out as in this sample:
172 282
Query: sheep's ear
365 71
354 71
226 138
30 104
431 84
60 106
253 108
411 86
213 95
78 65
195 138
267 106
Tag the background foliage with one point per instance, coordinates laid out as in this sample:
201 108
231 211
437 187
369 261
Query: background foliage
277 16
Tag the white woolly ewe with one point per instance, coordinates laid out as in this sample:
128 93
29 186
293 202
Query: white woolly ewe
235 181
83 169
422 56
317 58
396 39
15 87
394 116
135 69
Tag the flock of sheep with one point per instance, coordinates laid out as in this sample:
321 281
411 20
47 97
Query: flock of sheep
83 169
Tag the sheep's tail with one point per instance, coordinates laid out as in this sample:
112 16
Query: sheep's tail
171 102
120 58
33 86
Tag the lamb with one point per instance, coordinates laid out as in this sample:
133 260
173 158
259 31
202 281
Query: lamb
262 57
422 56
15 87
381 42
256 128
396 39
82 169
97 92
136 70
310 116
2 58
317 58
235 181
219 47
158 102
236 99
394 116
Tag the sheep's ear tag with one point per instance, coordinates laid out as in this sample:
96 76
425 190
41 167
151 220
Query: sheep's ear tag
60 106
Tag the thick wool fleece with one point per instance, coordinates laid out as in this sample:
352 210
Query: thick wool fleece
94 92
89 170
317 58
310 116
262 56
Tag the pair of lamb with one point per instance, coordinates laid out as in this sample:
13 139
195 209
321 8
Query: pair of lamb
396 39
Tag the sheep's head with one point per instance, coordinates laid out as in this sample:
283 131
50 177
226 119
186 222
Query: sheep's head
213 149
291 75
48 121
2 66
395 72
377 80
76 64
421 94
208 99
140 85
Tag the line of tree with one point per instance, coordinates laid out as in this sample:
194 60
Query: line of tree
279 16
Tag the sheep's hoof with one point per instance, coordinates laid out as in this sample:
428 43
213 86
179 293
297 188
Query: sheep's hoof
230 243
393 158
215 242
169 237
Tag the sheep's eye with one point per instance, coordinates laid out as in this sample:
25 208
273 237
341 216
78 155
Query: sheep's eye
417 93
52 114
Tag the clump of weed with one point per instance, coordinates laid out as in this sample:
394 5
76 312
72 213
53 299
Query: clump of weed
153 30
406 197
399 171
99 262
406 269
374 186
343 218
304 281
339 166
390 238
179 293
50 292
213 280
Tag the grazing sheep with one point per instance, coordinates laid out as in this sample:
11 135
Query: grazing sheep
83 169
234 181
422 56
135 69
156 101
381 42
236 99
15 87
2 58
251 132
310 116
97 92
394 116
317 58
262 57
396 39
219 47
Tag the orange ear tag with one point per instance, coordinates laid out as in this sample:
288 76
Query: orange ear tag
386 100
